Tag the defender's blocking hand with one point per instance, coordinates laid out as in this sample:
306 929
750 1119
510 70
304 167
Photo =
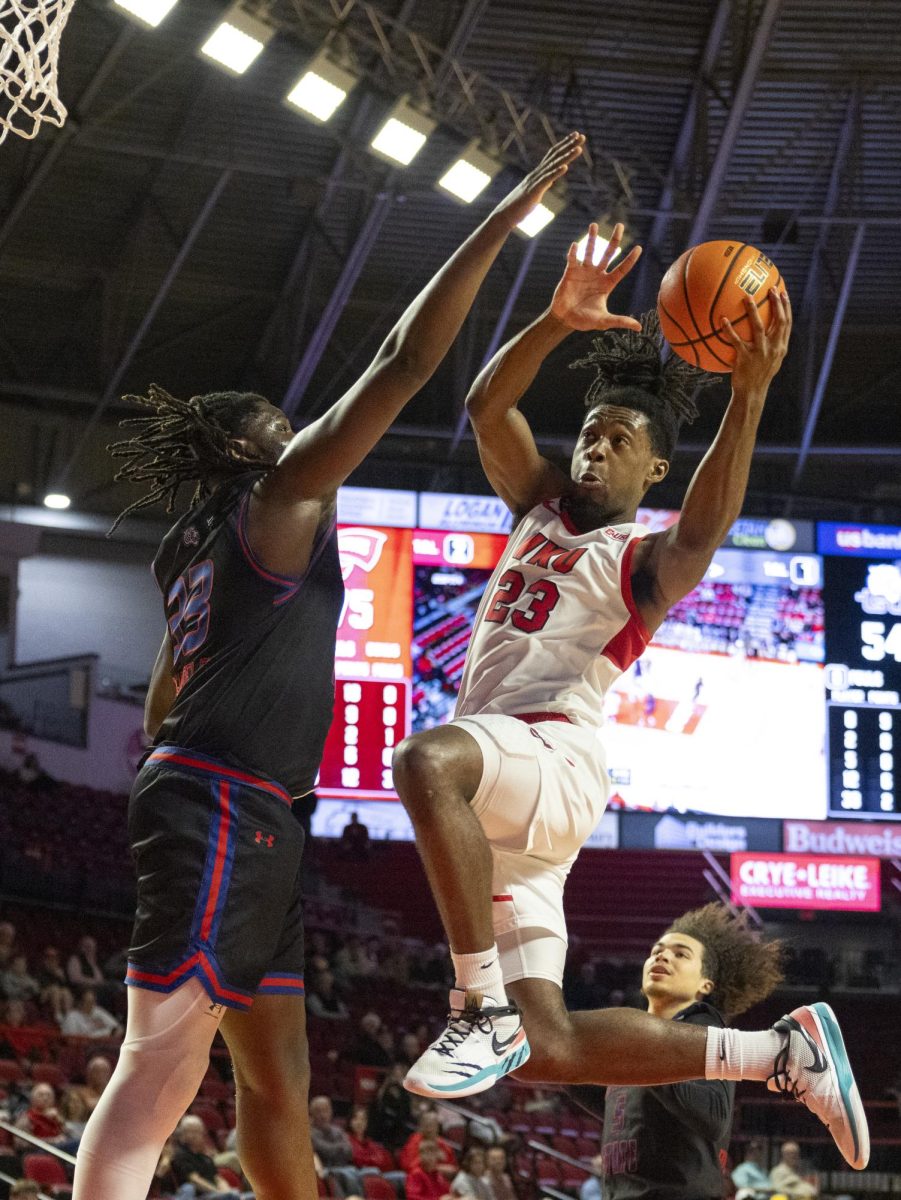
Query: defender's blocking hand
527 195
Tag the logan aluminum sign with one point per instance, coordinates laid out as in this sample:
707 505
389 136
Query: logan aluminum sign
805 881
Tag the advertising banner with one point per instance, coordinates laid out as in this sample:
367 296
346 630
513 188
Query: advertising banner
876 838
806 881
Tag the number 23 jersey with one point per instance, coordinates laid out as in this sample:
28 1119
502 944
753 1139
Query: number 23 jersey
557 624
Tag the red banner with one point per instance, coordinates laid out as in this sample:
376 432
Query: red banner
805 881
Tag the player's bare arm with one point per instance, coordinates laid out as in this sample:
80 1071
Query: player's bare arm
518 473
161 692
323 454
667 565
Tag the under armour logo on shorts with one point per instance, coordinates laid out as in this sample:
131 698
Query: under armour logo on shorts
264 838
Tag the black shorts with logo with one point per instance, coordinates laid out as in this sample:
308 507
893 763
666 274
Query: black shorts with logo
217 852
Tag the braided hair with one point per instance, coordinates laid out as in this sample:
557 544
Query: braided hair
631 372
744 969
183 441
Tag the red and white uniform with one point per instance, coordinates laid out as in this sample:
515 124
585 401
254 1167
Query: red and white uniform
556 627
557 624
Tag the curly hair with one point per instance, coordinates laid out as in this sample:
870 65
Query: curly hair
743 967
184 441
630 371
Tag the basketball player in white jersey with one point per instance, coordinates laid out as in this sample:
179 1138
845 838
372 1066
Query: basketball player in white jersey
503 798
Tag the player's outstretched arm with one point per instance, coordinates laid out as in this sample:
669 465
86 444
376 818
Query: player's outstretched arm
666 566
515 469
321 456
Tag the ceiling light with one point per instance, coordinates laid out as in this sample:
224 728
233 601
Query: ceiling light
237 40
542 214
321 89
468 177
56 500
149 12
403 134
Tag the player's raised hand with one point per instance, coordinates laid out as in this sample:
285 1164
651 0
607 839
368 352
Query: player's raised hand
580 300
758 360
526 195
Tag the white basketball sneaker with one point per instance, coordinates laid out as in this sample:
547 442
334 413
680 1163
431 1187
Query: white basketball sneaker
478 1047
813 1067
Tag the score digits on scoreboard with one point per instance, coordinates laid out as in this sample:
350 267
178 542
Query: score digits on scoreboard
863 685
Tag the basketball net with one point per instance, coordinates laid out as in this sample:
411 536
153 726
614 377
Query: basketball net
30 31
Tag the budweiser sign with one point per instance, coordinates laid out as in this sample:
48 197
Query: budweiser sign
876 838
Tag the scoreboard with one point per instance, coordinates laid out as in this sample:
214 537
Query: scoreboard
772 690
862 597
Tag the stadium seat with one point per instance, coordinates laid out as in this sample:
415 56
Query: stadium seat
50 1073
11 1072
376 1187
47 1172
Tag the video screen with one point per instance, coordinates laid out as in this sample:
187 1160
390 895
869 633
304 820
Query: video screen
724 712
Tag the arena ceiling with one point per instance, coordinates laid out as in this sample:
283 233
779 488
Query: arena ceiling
186 227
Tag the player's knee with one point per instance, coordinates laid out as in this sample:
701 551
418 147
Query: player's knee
283 1079
417 767
434 767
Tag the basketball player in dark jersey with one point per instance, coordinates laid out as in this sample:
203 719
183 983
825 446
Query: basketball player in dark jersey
239 705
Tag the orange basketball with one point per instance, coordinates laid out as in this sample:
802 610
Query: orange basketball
705 284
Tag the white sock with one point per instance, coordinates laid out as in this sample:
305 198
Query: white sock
738 1054
481 972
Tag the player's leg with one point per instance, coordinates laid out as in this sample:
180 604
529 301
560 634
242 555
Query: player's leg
161 1064
268 1046
437 774
803 1055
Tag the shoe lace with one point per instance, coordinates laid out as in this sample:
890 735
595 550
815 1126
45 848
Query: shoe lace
783 1081
460 1024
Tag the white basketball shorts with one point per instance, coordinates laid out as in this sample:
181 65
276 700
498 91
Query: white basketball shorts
543 791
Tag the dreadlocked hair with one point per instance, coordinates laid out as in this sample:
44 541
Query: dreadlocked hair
184 441
744 969
631 372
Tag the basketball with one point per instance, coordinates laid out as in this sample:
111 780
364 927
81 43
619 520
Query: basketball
705 284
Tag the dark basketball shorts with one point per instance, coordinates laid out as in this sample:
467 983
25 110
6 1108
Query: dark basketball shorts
217 852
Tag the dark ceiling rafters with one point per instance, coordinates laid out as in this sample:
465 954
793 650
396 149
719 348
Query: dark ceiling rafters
781 103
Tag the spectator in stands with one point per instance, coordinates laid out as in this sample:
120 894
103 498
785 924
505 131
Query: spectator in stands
790 1177
591 1188
74 1112
194 1170
89 1020
83 968
355 839
583 991
19 1039
429 1130
52 981
469 1180
410 1049
24 1189
7 943
751 1175
425 1179
366 1151
30 773
323 1000
386 1041
96 1076
394 967
389 1116
497 1176
15 981
367 1049
330 1141
42 1118
353 962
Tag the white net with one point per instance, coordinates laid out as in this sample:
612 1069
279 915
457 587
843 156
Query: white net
30 31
